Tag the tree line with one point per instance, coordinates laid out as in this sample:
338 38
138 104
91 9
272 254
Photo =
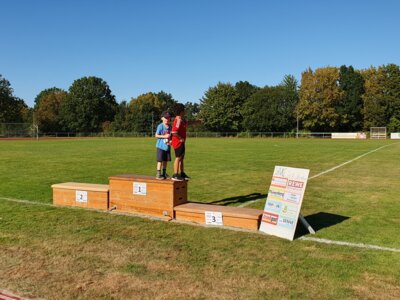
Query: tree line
327 99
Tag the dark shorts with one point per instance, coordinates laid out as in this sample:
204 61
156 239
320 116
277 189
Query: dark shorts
180 151
163 155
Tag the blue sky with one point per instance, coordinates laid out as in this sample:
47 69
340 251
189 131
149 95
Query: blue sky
184 47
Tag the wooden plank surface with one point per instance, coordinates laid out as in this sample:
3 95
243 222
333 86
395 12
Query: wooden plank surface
82 186
142 178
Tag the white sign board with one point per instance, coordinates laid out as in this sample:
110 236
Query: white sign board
395 136
284 200
81 196
214 218
349 135
140 188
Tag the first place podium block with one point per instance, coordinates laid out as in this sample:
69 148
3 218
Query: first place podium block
146 195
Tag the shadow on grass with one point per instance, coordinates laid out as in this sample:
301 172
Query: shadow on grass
319 221
239 199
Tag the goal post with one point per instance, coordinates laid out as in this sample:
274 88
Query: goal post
378 133
19 130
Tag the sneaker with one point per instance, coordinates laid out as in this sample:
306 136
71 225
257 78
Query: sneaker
185 176
159 176
166 176
177 177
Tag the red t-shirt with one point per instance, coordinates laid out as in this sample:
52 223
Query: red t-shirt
179 127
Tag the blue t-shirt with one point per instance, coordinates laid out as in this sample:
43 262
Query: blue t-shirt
162 143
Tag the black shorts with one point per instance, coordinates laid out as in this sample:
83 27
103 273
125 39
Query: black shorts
180 151
163 155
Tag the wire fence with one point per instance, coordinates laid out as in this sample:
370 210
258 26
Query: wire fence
26 130
70 134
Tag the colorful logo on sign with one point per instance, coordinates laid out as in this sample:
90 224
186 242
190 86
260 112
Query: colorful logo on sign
279 181
289 210
292 197
274 206
286 222
296 184
277 194
270 218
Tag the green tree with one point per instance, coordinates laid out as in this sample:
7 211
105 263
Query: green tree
192 111
392 90
375 104
166 101
394 125
12 109
220 108
320 97
89 103
290 83
270 109
245 90
352 83
44 93
382 95
144 112
47 109
121 122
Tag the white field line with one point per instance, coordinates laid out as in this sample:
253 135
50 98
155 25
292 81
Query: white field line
331 169
317 240
26 201
354 245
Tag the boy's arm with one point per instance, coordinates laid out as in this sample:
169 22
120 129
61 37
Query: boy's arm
158 134
162 136
175 130
175 134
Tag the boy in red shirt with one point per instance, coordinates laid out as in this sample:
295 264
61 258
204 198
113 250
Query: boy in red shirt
178 143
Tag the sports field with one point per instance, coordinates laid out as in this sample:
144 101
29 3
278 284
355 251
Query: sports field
61 253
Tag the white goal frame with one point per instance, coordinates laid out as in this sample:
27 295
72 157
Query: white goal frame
19 130
378 133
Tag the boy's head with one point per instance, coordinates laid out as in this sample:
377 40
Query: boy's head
165 117
179 109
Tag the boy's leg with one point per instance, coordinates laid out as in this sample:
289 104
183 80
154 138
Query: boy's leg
164 171
177 163
179 152
182 170
159 163
159 176
182 167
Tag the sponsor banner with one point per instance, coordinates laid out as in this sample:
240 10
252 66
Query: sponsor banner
284 200
274 206
278 181
349 135
270 218
291 197
286 222
395 136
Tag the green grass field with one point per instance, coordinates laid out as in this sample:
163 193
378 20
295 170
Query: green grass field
61 253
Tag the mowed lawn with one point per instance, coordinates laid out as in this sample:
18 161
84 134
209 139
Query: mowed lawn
60 253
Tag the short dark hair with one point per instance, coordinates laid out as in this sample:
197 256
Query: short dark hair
178 108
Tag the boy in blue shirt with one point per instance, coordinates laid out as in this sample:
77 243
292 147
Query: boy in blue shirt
163 135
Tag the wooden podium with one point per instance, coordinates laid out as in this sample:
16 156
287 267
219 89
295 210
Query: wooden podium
247 218
146 195
85 195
